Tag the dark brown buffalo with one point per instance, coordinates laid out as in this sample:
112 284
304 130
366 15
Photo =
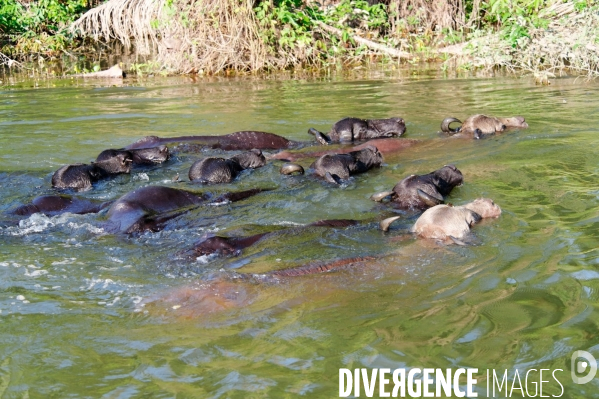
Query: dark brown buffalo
142 156
423 191
385 147
479 125
80 177
148 208
219 170
244 140
232 246
353 129
51 205
338 167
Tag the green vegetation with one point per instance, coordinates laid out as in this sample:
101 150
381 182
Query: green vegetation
289 27
38 27
542 36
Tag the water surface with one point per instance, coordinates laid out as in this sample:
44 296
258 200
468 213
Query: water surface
87 314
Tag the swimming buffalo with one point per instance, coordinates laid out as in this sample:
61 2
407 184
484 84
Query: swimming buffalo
446 222
232 246
244 140
142 156
353 129
220 170
338 167
385 147
148 208
81 176
423 191
454 222
51 205
479 125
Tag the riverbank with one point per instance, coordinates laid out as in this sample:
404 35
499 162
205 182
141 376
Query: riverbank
170 38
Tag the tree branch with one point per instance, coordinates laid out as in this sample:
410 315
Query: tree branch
4 60
368 43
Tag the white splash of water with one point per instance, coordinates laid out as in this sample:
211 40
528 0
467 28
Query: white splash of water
39 222
141 177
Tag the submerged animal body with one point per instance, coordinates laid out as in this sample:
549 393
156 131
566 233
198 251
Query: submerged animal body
454 222
148 208
81 176
243 140
220 170
480 125
142 156
352 129
232 246
385 147
423 191
341 166
51 205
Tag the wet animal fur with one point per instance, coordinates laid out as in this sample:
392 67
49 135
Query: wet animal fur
480 125
351 129
342 166
81 176
232 246
219 170
454 222
150 207
51 205
244 140
423 191
142 156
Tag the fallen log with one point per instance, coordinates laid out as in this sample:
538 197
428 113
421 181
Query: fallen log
113 72
368 43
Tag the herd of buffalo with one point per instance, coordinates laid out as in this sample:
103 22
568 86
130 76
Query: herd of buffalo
151 207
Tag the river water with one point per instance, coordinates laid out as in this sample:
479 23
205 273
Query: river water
88 314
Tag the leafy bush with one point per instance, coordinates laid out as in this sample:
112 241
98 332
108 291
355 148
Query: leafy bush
284 24
39 27
290 24
514 18
39 16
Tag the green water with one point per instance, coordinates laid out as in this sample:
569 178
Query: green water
87 314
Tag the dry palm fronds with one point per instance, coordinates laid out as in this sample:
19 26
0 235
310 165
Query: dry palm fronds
187 35
122 20
429 15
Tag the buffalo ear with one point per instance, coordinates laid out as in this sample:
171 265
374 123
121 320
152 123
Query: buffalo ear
333 178
475 218
378 197
445 125
457 241
319 136
290 168
428 199
384 224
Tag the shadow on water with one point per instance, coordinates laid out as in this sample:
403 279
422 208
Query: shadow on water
87 313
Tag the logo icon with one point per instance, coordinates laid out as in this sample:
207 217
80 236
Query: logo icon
579 366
